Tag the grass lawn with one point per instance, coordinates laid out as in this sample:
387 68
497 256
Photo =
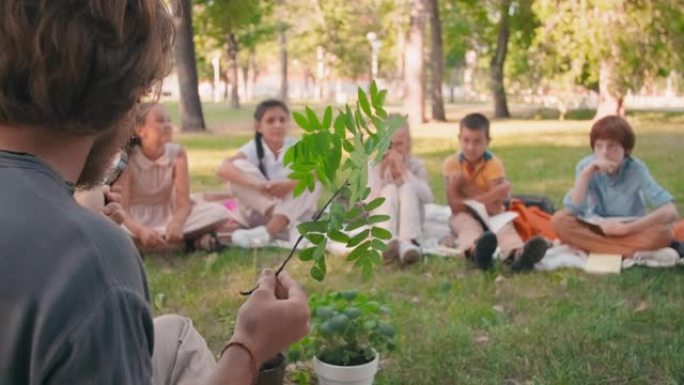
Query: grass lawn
457 325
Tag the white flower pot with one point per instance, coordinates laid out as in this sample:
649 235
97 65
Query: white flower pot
346 375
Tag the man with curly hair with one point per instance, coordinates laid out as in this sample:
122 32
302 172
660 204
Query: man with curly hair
74 302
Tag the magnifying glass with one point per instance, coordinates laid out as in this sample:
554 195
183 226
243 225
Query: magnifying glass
118 166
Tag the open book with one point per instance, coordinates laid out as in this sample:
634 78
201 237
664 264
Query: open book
492 223
594 223
603 263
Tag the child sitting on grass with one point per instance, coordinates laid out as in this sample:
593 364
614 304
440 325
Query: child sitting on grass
475 173
401 178
612 183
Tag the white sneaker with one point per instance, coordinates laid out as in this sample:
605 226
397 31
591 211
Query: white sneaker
251 238
665 257
409 253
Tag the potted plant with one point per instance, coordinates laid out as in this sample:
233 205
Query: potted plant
348 332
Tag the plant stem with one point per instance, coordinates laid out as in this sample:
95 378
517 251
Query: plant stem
294 248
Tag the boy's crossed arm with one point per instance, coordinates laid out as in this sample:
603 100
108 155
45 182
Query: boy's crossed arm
459 189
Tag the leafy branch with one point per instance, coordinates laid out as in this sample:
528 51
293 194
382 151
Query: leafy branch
341 148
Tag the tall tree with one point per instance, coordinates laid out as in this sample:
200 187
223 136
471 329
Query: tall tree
611 46
192 118
235 25
336 31
414 97
437 59
282 45
496 66
494 31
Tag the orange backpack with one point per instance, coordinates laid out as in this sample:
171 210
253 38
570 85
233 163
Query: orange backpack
531 221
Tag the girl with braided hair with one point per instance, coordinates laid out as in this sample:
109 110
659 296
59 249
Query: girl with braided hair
258 179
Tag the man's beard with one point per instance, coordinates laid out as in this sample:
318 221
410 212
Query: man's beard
100 157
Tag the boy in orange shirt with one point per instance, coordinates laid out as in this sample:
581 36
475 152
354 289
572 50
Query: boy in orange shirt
475 173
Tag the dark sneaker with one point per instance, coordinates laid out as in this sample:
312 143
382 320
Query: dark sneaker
392 253
483 253
532 253
679 246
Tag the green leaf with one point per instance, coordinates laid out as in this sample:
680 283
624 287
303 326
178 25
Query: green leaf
290 155
313 119
307 254
358 118
339 126
338 236
381 98
374 204
310 183
366 269
379 232
358 238
375 256
379 245
299 188
318 271
356 224
349 120
327 118
366 191
373 219
363 102
359 251
348 146
353 213
302 121
315 238
374 94
317 227
321 174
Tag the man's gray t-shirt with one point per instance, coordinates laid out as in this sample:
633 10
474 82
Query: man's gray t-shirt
74 303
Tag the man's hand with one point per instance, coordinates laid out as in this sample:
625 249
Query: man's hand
275 316
115 212
113 208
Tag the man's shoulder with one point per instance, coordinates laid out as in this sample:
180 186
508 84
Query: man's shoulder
112 251
68 241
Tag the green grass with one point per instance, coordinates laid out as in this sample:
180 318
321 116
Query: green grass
460 326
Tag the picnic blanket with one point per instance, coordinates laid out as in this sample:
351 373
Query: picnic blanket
438 240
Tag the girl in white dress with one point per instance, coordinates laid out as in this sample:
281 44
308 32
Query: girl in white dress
258 179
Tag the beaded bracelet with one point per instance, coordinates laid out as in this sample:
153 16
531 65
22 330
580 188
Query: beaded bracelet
252 360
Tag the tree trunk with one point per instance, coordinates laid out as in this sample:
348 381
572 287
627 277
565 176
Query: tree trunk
282 42
245 81
192 118
497 64
414 97
437 58
254 72
233 68
611 102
